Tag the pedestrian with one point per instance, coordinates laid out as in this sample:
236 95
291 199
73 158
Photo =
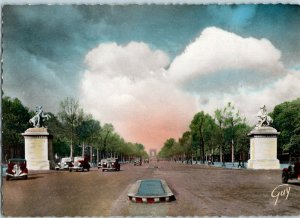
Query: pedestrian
240 165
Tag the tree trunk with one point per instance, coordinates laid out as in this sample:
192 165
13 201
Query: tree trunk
203 154
232 152
221 155
83 147
97 156
91 154
71 149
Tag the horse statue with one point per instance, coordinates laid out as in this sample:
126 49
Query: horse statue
263 118
39 118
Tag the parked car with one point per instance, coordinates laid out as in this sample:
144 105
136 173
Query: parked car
80 164
292 172
16 169
100 163
137 162
64 164
110 164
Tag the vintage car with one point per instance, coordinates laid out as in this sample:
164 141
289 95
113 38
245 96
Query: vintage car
292 172
137 162
16 169
110 164
100 163
64 164
80 164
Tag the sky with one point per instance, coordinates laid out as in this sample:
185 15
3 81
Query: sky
147 69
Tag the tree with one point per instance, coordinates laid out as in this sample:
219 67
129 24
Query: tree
166 151
186 144
87 131
232 119
286 118
104 136
15 121
229 121
71 115
242 145
60 142
202 130
220 133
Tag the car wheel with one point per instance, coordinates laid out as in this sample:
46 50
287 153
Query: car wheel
26 177
88 169
285 177
7 178
70 170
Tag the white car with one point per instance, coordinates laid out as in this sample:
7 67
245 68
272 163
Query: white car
64 163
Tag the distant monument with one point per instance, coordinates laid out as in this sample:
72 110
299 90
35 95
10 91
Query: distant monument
263 143
38 142
152 152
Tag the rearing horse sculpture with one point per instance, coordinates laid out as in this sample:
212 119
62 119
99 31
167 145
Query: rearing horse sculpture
38 119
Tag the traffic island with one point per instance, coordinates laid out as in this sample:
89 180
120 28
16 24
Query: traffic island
150 191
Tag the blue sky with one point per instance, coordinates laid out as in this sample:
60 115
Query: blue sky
46 58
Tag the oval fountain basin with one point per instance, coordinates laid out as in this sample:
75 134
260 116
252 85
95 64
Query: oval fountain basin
150 191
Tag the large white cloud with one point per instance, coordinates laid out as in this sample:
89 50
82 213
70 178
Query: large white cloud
216 50
129 86
126 86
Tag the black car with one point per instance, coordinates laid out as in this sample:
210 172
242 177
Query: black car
80 164
292 172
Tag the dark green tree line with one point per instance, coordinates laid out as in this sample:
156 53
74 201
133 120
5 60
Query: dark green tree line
286 119
73 131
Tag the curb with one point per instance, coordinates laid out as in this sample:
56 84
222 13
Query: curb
152 200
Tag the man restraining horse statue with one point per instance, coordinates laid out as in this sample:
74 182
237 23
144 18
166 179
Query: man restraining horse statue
38 120
263 118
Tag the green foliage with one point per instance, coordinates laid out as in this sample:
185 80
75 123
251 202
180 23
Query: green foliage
210 135
70 128
286 119
242 144
203 130
60 142
185 143
167 150
87 130
232 131
15 121
71 116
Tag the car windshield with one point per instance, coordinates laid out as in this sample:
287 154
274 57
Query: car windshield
17 161
111 160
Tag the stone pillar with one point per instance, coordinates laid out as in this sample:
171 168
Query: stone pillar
37 144
263 148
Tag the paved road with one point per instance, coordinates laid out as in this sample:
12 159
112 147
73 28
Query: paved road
199 191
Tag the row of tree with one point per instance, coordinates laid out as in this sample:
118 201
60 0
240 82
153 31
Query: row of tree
75 133
210 137
223 137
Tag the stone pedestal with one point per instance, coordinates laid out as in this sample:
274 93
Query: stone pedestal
38 142
263 148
